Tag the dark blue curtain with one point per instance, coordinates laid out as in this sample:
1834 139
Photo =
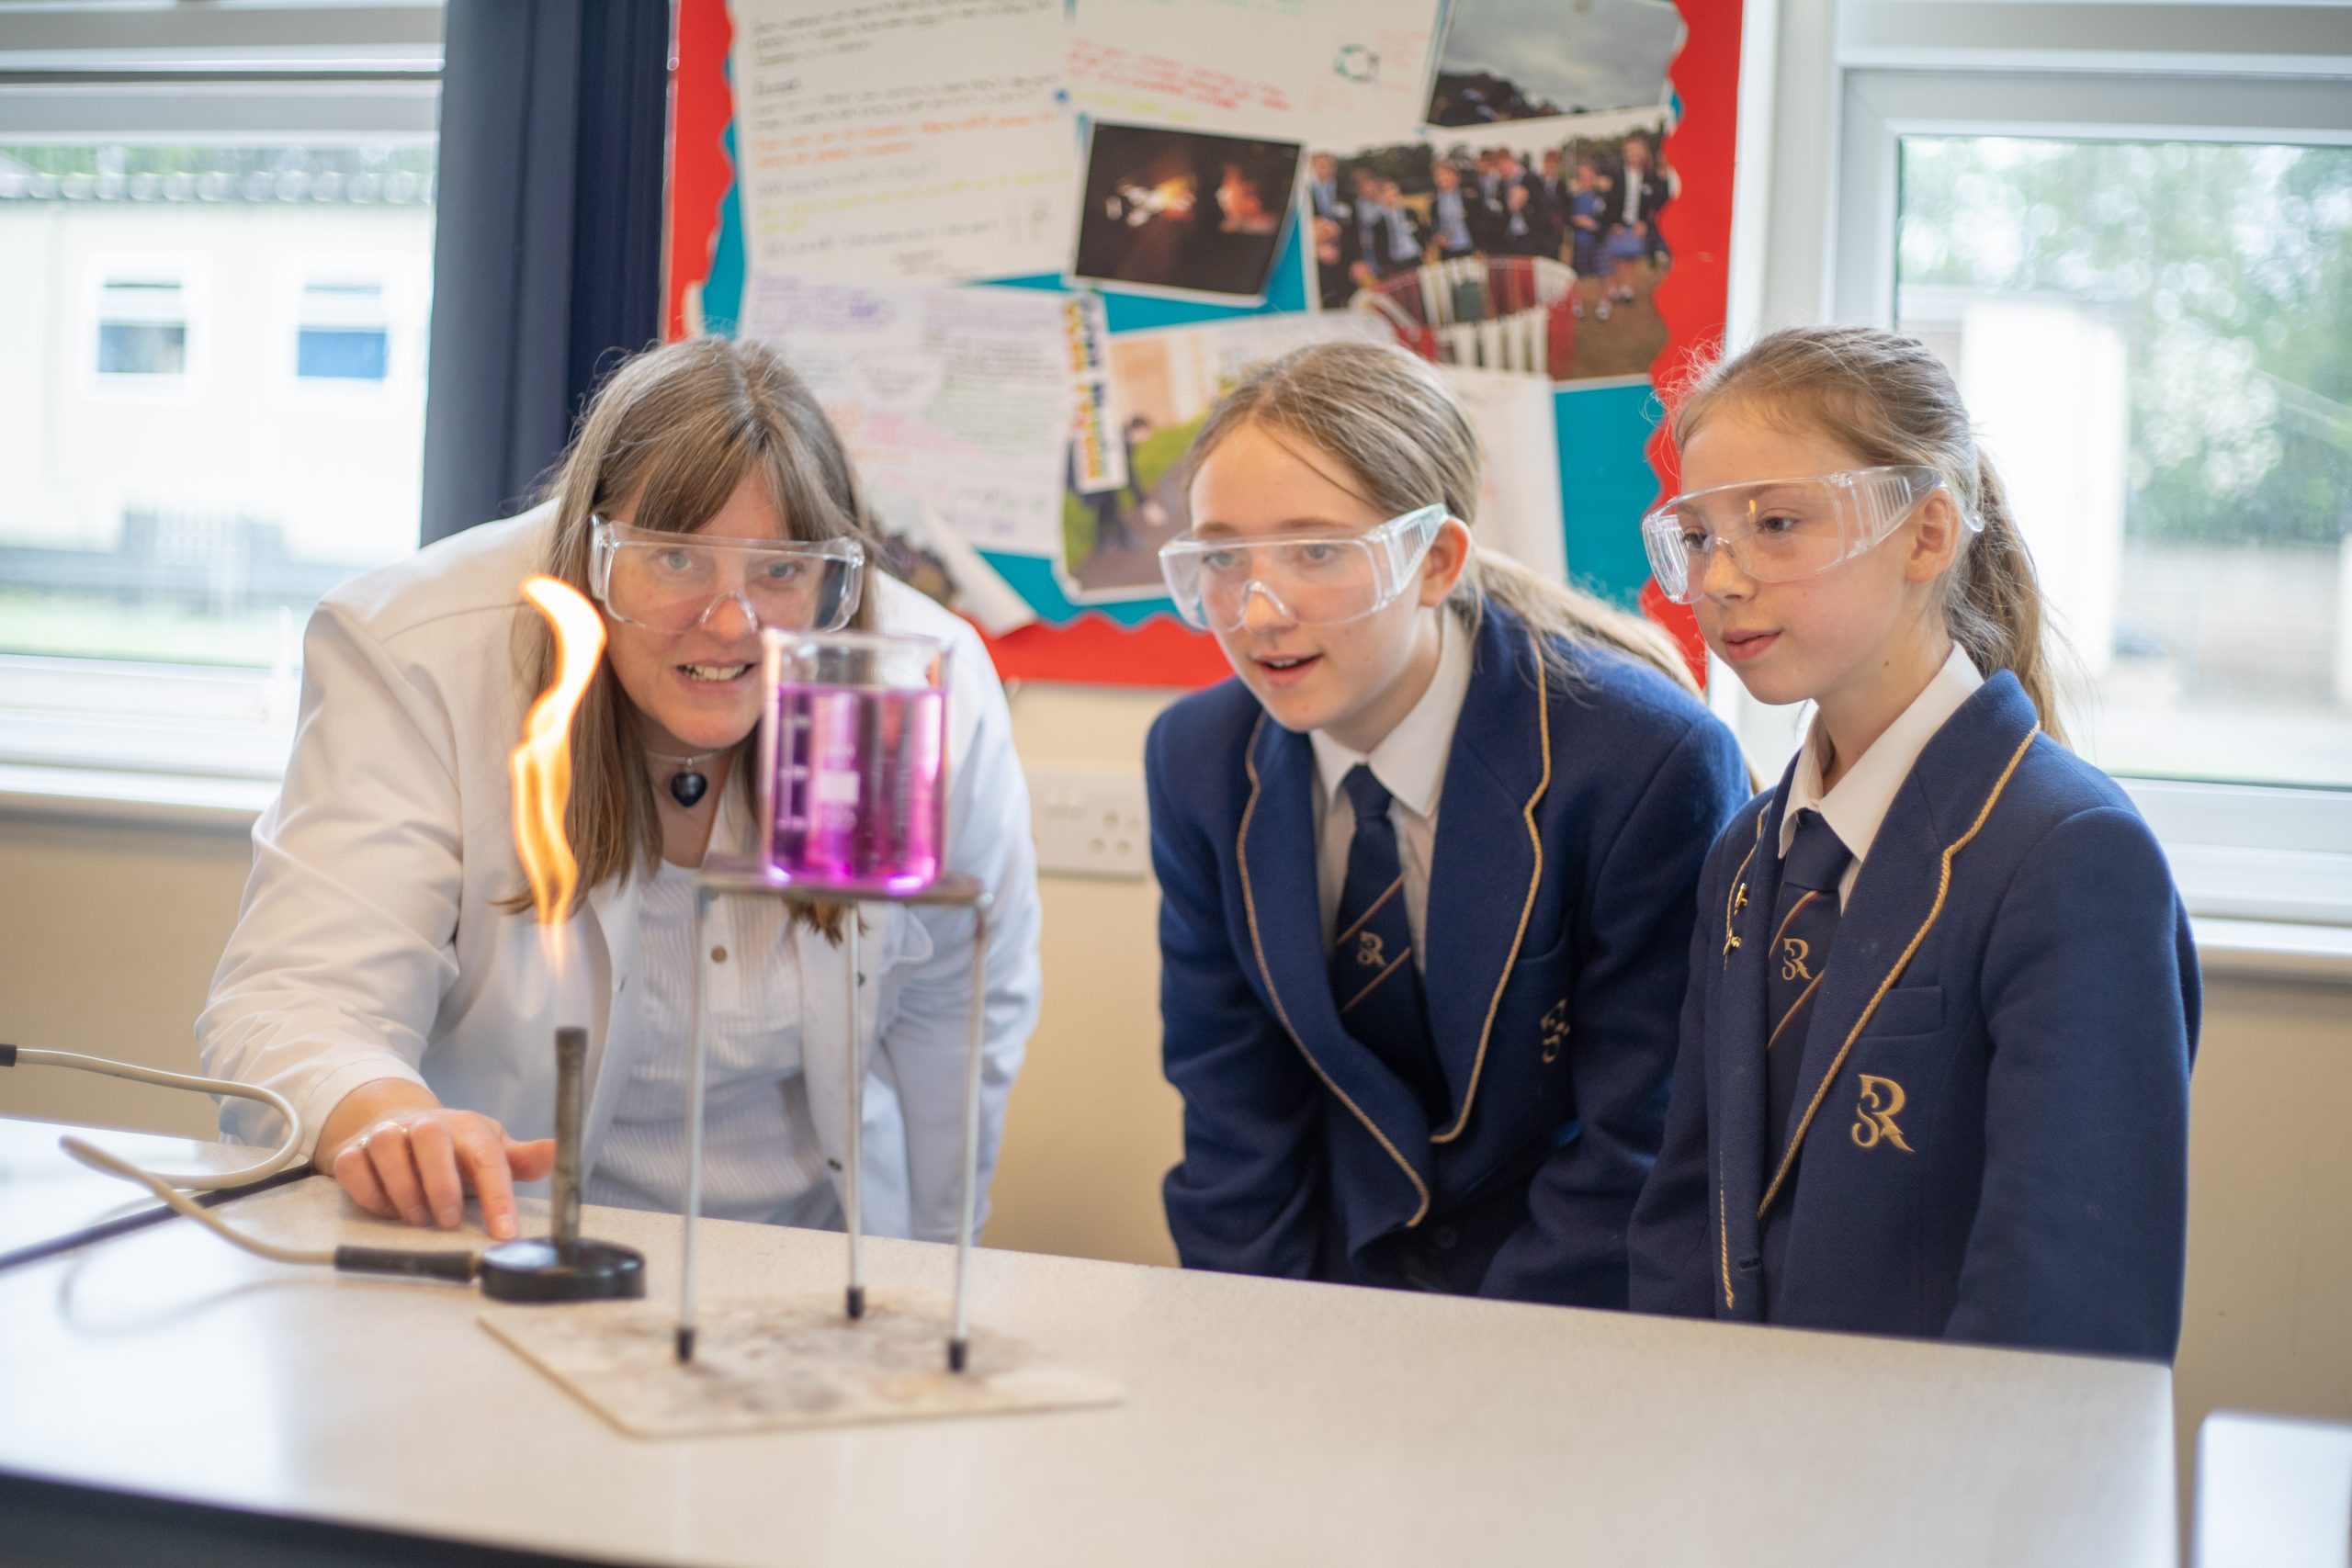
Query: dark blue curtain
547 259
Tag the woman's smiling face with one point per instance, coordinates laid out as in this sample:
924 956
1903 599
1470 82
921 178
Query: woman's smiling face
698 690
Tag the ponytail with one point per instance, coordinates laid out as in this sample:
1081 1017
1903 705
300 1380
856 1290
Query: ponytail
1993 602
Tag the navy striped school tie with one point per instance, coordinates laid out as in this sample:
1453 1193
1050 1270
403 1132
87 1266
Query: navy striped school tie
1372 979
1804 919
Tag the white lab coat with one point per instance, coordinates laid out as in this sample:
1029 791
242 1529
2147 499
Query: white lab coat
370 943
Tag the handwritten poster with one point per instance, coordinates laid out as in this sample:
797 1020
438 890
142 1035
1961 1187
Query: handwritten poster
1338 72
903 139
958 397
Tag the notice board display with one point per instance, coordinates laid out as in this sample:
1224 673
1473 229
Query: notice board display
1019 247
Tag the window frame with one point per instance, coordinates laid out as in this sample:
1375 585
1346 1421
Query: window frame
179 386
297 280
134 735
2119 70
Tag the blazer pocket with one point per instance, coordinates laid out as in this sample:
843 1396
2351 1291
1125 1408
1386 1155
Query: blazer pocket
1552 960
1908 1010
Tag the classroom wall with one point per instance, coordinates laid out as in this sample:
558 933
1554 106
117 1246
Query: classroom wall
108 934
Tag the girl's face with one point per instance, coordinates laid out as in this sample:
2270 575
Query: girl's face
1833 636
698 690
1357 678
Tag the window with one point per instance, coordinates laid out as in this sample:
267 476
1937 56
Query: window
142 327
343 336
2156 340
2125 227
238 508
215 226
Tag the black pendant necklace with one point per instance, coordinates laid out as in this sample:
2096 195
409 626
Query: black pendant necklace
687 785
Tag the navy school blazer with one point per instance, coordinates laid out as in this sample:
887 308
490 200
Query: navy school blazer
1571 828
1990 1136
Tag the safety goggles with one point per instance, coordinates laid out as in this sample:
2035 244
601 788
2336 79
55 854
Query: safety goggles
1780 530
1313 579
672 583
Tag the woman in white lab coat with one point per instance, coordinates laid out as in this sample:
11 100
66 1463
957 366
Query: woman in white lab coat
385 973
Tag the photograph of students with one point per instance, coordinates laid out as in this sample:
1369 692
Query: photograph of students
1934 1074
1412 205
1427 863
386 973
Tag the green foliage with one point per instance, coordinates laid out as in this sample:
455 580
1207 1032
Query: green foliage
131 160
2229 268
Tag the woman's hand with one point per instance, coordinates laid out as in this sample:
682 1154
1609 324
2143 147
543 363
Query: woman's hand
403 1155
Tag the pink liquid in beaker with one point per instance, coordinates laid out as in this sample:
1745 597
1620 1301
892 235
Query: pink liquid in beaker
860 785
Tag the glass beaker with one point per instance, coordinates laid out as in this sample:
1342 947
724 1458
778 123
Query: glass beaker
854 748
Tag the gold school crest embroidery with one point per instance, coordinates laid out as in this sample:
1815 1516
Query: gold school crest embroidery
1369 951
1794 951
1555 1030
1875 1116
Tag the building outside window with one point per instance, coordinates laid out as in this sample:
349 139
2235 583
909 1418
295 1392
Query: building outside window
343 335
2156 338
202 529
141 326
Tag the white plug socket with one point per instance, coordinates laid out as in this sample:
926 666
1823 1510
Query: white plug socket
1091 822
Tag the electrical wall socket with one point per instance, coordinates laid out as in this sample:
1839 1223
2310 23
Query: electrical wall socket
1089 822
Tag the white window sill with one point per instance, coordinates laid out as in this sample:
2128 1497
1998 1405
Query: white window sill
2229 948
131 799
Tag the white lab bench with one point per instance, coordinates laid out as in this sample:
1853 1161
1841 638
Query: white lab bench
162 1388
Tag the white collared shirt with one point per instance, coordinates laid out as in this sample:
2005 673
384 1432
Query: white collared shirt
1860 803
762 1157
1410 765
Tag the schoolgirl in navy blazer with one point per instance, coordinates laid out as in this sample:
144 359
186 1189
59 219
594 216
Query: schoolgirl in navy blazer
1572 825
1934 1072
1990 1128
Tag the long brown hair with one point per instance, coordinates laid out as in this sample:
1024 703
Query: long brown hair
1398 433
1889 399
674 430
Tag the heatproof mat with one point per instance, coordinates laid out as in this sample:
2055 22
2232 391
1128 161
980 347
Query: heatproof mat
762 1366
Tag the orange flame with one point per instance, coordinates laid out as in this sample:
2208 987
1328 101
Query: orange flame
542 766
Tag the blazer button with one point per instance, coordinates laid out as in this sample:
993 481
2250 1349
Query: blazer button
719 955
1446 1236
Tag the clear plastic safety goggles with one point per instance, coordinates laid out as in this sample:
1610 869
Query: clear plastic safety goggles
1312 579
672 583
1780 530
